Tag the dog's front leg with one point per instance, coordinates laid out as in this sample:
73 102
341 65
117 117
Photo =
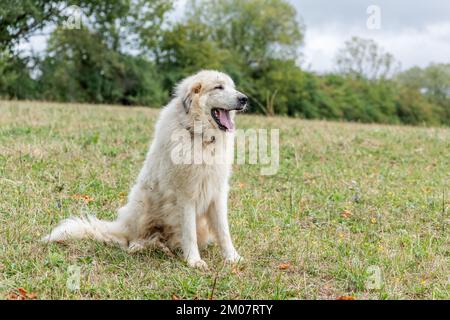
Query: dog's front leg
218 216
189 238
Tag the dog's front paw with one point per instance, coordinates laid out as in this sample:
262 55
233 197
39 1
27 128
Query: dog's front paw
199 264
233 258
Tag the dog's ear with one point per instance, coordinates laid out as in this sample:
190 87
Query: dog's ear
189 96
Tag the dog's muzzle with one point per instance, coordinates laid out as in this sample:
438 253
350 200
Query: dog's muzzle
242 102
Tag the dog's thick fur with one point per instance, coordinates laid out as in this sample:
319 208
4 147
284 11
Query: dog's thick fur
176 205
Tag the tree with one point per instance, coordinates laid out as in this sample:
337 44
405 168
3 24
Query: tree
126 52
363 58
433 82
14 82
122 22
255 41
146 21
20 19
187 48
277 88
256 29
79 66
413 108
119 26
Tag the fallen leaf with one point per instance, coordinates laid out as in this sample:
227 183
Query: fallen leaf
346 298
21 294
346 213
84 197
13 296
22 291
236 269
175 297
31 296
284 266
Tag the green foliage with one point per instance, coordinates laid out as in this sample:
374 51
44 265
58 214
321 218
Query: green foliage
127 52
414 108
80 67
255 41
186 48
276 88
14 82
434 84
256 29
19 19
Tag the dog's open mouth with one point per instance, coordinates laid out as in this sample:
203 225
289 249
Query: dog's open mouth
223 119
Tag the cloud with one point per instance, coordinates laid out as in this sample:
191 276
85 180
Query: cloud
409 46
415 33
398 14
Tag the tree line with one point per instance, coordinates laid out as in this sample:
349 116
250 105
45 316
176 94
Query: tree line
131 52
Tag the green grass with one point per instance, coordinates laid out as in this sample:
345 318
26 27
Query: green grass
394 182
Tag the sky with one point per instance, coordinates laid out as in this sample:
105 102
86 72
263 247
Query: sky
416 32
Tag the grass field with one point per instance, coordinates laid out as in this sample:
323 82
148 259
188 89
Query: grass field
354 210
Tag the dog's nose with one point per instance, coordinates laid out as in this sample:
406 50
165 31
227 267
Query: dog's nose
243 100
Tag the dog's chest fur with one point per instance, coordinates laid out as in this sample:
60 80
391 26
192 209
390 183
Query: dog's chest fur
200 183
207 182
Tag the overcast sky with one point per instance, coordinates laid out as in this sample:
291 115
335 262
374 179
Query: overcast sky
416 32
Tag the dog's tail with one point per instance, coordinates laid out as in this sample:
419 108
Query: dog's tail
89 227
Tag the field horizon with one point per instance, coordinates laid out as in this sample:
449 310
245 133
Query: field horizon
355 210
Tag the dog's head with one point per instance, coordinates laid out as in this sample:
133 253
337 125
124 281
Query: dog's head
211 97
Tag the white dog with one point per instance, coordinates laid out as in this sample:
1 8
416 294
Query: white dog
178 205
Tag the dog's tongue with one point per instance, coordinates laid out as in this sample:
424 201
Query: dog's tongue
225 120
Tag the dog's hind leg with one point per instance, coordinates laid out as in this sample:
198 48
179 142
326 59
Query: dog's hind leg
138 245
154 243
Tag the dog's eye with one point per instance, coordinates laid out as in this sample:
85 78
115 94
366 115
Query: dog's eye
219 87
